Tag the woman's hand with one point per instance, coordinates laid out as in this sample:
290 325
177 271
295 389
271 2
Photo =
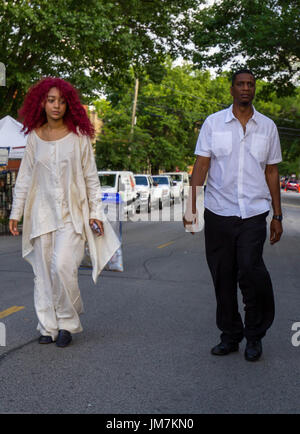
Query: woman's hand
13 227
99 223
189 220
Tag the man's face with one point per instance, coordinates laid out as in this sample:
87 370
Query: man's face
243 89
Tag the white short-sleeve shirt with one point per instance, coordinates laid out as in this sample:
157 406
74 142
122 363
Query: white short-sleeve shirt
236 183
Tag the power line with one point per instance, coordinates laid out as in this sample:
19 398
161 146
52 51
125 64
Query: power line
221 104
284 132
290 129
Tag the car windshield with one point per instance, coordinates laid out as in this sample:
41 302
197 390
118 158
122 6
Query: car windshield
160 180
107 180
293 181
141 180
176 177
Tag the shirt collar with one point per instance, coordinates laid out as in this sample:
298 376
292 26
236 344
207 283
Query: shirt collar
230 115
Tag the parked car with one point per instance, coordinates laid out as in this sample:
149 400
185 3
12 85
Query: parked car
157 194
292 184
182 183
283 181
145 189
164 183
122 183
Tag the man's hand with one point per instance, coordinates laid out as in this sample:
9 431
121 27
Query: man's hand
272 178
99 223
275 231
13 227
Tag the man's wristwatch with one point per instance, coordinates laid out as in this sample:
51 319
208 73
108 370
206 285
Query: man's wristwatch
278 217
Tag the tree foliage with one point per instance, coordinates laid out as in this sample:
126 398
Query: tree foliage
88 42
170 114
264 35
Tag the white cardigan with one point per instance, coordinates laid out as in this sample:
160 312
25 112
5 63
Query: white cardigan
58 178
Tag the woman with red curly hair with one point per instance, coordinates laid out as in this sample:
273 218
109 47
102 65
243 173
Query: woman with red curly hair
58 194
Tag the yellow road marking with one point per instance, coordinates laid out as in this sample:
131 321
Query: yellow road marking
165 245
11 310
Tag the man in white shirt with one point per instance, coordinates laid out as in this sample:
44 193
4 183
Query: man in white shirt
238 150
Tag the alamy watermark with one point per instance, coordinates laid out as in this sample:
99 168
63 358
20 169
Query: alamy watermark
2 74
296 336
2 335
163 206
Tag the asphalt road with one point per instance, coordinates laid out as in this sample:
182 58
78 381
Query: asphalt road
147 334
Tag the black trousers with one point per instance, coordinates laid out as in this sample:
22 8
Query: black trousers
234 249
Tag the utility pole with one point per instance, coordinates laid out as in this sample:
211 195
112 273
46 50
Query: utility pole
136 90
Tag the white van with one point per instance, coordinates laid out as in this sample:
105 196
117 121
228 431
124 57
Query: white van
182 181
121 182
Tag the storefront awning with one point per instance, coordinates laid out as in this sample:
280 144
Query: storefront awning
12 138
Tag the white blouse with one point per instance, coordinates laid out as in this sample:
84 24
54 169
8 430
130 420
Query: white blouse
58 182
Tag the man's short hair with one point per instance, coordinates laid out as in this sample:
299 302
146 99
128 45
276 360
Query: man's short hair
241 71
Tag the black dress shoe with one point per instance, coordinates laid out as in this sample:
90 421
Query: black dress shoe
253 350
45 340
224 348
64 338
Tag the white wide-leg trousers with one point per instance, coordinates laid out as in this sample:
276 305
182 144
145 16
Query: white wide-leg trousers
56 259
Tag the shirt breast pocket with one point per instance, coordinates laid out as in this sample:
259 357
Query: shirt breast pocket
259 147
221 143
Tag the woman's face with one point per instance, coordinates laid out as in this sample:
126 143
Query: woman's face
55 104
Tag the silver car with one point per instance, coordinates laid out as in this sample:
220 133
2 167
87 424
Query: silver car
181 181
144 187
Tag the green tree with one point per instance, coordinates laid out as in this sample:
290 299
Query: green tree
116 148
262 35
169 115
87 42
285 111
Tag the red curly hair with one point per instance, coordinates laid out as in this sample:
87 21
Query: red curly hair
33 114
